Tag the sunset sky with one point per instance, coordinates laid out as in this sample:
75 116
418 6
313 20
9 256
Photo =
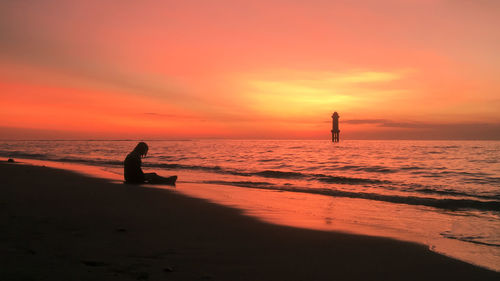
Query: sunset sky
99 69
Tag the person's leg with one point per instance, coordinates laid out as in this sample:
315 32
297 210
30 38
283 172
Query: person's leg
150 177
154 178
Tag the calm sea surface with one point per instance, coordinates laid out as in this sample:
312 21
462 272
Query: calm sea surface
442 193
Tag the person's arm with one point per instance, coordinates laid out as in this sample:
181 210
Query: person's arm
133 171
140 173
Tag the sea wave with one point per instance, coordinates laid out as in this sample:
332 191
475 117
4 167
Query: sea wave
466 177
50 157
284 174
278 174
471 239
214 169
454 193
370 169
444 203
22 154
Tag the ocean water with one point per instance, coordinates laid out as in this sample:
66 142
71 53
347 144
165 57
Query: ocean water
445 194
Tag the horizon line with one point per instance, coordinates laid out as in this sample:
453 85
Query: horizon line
261 139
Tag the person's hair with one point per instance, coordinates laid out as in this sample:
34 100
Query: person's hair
142 149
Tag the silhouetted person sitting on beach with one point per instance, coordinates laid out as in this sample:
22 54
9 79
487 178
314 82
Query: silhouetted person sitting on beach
133 172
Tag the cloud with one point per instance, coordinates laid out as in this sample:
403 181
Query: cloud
391 124
364 121
172 116
425 130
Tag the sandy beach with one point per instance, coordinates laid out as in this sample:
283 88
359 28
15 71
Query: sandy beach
59 225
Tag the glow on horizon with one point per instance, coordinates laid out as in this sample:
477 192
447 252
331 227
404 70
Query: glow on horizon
234 69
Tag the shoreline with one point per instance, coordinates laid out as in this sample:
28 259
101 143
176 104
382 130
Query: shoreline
317 212
62 225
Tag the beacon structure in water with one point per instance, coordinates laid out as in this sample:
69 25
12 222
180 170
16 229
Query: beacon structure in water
335 127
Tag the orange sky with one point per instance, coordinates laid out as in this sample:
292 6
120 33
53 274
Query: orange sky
100 69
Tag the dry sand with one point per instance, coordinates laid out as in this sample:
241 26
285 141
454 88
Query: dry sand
59 225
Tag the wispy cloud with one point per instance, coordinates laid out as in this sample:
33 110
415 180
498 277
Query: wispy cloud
365 121
472 126
390 123
169 115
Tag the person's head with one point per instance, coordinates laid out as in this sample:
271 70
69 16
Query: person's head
142 149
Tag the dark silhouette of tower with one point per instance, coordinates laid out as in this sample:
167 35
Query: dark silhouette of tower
335 127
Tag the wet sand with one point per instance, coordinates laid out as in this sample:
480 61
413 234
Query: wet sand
59 225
